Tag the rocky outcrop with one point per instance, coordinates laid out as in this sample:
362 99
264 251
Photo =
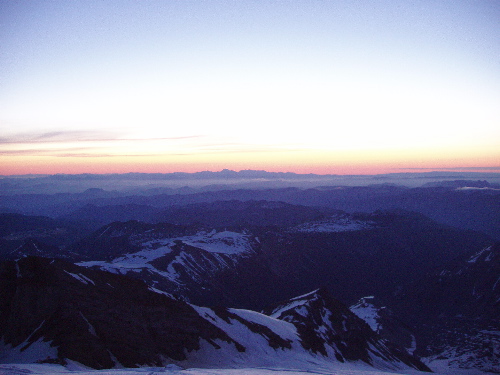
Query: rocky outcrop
328 327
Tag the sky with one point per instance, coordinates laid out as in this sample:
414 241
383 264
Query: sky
306 86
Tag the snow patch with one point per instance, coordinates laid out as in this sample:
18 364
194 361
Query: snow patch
476 256
91 327
225 242
365 310
413 345
27 352
495 285
161 292
333 224
18 270
83 279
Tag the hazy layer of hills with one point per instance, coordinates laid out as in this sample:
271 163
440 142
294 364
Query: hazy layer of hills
186 183
463 203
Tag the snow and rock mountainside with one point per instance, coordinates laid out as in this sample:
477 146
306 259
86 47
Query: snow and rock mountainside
329 328
457 310
384 321
351 255
182 260
52 311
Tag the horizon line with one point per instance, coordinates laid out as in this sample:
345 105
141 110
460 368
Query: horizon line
414 170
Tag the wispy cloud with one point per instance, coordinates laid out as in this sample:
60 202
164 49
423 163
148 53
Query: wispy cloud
56 137
49 152
115 144
79 136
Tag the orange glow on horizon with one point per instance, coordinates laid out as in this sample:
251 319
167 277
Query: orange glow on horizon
302 162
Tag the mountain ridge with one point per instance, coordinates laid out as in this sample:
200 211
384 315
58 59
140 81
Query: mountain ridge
102 320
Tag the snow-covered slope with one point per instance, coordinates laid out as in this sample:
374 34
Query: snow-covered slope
336 369
367 311
181 264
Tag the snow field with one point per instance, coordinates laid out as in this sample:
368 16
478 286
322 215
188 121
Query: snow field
75 369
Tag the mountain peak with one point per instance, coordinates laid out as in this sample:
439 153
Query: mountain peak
328 327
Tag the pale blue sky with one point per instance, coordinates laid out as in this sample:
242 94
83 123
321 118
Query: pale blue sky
185 77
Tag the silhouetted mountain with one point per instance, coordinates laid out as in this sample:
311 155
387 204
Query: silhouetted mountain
250 248
461 184
94 217
237 213
98 319
390 251
121 238
16 229
16 224
141 183
204 266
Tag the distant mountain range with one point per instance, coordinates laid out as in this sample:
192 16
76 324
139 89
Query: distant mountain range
418 266
182 183
466 207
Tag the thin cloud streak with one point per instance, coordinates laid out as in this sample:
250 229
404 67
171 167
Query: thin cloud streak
55 136
79 136
132 147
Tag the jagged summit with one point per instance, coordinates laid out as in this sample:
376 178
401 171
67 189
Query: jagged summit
328 327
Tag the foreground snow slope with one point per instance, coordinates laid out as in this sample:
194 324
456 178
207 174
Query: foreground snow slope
174 370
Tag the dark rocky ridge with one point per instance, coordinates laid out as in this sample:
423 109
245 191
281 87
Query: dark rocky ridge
94 317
